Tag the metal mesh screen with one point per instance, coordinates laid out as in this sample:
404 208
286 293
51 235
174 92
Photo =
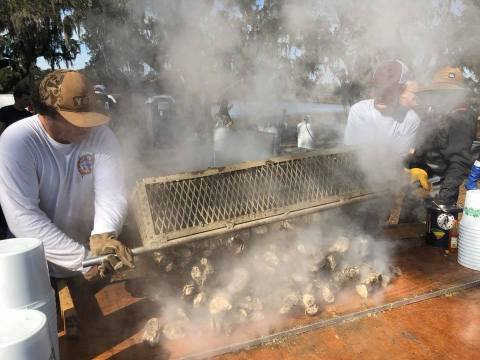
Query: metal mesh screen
179 205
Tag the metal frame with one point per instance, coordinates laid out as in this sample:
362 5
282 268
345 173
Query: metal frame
217 199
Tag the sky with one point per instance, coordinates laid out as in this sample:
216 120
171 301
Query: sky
79 62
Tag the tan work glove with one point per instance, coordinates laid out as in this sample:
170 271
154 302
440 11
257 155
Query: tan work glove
420 175
119 255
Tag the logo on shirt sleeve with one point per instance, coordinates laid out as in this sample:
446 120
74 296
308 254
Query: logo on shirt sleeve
85 164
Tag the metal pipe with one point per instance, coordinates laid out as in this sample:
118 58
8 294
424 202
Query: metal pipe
242 226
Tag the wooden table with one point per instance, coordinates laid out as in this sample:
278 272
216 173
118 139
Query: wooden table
111 320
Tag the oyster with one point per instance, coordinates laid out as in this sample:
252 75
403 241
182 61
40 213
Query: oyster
169 267
197 276
370 279
287 225
330 262
175 330
219 304
218 307
362 290
206 266
199 299
341 245
311 308
327 294
342 277
159 257
188 290
257 315
151 332
291 299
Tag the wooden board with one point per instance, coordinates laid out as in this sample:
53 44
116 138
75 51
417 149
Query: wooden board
68 314
111 320
440 328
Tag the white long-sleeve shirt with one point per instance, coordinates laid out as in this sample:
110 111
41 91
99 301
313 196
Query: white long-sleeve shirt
61 193
368 126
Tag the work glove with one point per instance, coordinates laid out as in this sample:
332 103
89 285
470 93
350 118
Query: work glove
118 255
420 176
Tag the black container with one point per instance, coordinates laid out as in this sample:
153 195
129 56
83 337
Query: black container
440 220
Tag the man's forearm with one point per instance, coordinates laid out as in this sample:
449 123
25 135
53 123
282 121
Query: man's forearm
454 177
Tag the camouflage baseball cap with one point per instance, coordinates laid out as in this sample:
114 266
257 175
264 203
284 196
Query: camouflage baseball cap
71 95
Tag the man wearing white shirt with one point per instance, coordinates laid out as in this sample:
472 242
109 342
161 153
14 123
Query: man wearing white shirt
61 178
387 119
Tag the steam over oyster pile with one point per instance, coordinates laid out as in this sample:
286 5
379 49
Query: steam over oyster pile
267 271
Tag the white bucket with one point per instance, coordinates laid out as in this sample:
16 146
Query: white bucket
24 275
49 308
24 335
469 246
471 210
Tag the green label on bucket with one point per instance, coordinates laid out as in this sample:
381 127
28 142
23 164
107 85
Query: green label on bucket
472 212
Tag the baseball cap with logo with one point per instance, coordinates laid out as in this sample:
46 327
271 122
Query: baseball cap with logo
390 73
71 95
447 78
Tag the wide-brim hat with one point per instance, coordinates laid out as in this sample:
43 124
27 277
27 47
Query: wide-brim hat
448 78
71 95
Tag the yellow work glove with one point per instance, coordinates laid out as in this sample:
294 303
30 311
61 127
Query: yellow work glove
119 255
420 175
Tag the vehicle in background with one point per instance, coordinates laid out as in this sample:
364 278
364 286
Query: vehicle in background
6 99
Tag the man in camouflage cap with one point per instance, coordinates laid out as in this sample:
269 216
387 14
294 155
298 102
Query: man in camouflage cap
61 178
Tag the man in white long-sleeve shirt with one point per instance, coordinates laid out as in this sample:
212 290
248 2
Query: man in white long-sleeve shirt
386 121
61 178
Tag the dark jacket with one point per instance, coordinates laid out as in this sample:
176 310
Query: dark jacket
444 148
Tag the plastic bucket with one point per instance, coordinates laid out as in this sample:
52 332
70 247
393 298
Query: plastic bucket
469 230
471 264
471 209
24 275
469 247
49 308
466 243
24 335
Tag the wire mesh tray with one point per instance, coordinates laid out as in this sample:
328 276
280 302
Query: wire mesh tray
171 207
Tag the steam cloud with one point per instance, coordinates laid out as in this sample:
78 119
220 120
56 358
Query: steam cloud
216 53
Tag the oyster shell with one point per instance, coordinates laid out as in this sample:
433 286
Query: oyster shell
219 304
291 299
151 332
199 299
197 276
188 290
341 245
309 303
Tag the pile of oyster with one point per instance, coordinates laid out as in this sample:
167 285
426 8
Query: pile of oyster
224 282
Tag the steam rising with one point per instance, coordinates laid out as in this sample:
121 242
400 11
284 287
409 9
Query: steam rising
221 50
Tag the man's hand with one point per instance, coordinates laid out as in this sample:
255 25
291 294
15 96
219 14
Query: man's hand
420 175
118 255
